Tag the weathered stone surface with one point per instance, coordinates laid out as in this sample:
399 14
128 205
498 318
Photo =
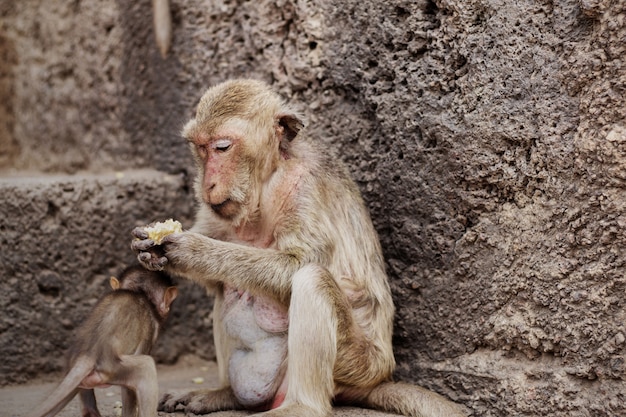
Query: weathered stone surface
62 237
488 138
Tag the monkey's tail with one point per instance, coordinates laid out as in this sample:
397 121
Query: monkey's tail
162 21
411 400
65 391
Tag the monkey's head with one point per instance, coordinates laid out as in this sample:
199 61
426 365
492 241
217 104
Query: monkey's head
239 136
156 285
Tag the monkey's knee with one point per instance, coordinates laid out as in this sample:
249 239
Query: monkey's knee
314 279
315 299
314 290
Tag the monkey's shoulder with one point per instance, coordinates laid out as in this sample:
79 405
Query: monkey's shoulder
131 299
117 309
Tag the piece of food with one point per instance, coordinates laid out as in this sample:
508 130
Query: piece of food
117 407
159 230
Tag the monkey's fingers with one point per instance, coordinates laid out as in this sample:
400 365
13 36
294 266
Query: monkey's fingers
151 261
170 404
139 233
141 245
171 238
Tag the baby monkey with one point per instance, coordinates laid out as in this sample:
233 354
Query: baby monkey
112 346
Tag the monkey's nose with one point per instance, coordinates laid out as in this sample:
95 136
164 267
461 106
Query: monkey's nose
207 192
209 185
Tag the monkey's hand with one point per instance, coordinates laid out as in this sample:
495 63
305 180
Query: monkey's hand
149 254
176 253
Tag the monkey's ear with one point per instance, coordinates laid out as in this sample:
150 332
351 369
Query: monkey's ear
115 283
168 298
290 124
170 295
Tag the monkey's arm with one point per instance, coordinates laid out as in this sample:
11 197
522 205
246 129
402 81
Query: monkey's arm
208 261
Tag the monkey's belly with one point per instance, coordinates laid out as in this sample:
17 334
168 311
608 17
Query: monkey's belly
255 375
258 328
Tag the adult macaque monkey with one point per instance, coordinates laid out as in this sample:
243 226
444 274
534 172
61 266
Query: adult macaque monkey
112 346
303 311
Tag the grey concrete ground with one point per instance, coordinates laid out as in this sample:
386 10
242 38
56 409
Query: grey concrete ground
189 373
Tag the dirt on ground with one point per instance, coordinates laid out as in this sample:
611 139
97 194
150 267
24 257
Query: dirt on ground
189 373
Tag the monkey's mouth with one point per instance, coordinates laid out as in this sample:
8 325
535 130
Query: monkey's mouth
226 209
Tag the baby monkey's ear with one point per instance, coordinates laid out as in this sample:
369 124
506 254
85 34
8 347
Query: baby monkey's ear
115 283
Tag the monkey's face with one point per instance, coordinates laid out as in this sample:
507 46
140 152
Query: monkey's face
230 163
235 138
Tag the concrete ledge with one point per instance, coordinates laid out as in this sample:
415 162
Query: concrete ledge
61 238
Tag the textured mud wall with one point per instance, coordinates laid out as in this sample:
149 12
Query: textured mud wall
488 138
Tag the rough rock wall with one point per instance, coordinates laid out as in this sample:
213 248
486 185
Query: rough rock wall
64 76
488 138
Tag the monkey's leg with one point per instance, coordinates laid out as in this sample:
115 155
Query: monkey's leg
129 402
138 372
411 400
207 401
222 341
317 306
89 406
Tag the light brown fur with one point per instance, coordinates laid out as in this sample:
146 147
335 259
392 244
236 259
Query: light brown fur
112 347
280 221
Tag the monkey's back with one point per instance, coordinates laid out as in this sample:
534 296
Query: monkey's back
335 220
122 323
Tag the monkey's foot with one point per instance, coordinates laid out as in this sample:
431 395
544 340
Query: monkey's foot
200 402
292 410
170 404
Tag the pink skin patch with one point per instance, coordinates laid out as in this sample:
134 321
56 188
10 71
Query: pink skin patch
93 380
278 400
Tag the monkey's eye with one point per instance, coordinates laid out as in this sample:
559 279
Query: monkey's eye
202 151
222 145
